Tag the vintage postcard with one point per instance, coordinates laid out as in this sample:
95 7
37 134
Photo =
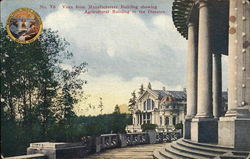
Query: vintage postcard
125 79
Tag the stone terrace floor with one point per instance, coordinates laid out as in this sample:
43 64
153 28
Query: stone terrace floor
133 152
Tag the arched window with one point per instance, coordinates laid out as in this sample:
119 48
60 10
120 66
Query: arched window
149 104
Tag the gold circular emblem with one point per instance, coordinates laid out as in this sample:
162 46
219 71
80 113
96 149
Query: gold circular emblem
24 25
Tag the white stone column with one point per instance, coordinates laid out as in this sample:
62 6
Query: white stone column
163 120
232 67
236 123
139 115
192 70
204 127
204 63
217 85
138 119
239 58
171 121
141 118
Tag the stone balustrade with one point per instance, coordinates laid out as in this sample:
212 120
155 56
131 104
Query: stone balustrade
168 136
95 144
109 141
137 138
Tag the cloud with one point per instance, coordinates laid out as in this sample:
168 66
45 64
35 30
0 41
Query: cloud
125 45
122 51
167 31
98 34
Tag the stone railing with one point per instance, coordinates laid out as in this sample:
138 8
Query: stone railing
89 145
136 138
107 141
168 136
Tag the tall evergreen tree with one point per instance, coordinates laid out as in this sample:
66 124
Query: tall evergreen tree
149 86
132 101
117 109
141 90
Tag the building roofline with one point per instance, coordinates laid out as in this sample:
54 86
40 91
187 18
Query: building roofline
148 90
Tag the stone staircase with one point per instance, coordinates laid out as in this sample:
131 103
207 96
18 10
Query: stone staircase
186 149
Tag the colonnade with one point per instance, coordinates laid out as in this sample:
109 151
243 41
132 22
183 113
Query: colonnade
140 119
203 122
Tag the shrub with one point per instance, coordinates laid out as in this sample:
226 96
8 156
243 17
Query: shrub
179 126
148 127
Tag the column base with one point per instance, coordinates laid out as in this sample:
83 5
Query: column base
235 132
204 130
187 128
241 112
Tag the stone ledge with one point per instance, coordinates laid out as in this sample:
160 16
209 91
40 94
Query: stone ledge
33 156
54 145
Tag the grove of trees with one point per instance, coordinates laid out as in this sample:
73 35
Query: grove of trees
38 95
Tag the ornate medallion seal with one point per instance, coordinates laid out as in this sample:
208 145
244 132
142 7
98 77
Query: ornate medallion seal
24 25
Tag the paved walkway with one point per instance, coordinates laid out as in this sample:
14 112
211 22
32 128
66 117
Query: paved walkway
133 152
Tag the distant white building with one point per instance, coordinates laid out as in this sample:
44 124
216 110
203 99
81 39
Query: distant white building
161 107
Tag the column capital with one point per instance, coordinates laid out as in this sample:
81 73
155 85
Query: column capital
202 3
190 24
217 55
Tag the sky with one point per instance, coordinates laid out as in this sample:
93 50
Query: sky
122 50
